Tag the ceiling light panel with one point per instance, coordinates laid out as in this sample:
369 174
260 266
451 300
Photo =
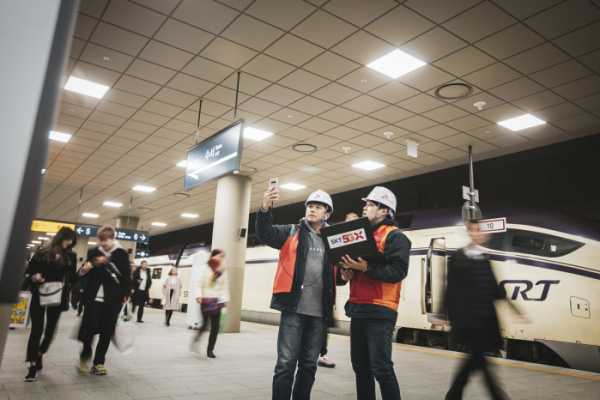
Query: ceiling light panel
256 134
396 64
86 87
159 224
89 215
293 186
111 204
368 165
60 137
182 164
145 189
190 215
522 122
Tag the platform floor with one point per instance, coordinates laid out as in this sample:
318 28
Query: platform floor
161 367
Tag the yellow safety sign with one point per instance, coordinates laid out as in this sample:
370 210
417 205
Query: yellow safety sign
49 226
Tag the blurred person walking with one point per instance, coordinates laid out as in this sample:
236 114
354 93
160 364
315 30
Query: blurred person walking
470 294
142 281
132 268
50 267
212 293
107 272
171 290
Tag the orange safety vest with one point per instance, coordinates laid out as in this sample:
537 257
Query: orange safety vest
364 290
284 277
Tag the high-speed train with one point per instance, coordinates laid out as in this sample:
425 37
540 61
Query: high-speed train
547 262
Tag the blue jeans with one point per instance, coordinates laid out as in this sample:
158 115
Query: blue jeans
371 355
299 341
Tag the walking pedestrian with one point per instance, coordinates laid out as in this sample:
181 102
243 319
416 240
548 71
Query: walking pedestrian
142 282
171 290
212 292
132 268
51 266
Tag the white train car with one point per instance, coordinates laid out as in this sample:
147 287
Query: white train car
547 262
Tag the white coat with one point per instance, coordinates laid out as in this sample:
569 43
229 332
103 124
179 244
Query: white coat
171 303
205 288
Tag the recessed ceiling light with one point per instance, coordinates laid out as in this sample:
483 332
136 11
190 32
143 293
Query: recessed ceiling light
159 224
522 122
89 215
43 238
396 64
181 195
43 170
106 58
59 136
146 189
368 165
71 110
35 241
363 80
50 234
292 186
86 87
304 147
182 164
289 116
92 243
310 169
189 215
111 204
256 134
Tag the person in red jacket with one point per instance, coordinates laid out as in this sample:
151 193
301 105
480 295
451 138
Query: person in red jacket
304 292
374 297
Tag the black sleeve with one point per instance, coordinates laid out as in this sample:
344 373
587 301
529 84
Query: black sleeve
397 251
33 267
121 261
272 236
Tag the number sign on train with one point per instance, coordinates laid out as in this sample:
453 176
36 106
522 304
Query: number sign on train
492 225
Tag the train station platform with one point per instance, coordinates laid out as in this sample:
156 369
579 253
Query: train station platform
161 367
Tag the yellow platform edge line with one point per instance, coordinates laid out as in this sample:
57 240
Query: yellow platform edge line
573 374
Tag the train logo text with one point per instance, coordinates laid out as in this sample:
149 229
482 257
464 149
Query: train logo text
523 286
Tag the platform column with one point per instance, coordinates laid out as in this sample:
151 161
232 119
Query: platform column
232 210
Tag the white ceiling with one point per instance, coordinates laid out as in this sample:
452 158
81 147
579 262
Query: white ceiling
304 79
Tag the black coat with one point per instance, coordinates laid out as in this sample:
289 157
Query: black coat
135 284
117 287
53 271
472 289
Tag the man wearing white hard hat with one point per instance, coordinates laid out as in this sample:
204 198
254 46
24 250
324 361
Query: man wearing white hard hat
304 291
374 297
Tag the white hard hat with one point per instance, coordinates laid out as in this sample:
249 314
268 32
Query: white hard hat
384 196
320 197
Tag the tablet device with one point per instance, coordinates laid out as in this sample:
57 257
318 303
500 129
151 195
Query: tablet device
354 238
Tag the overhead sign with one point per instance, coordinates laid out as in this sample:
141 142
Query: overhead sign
49 226
87 230
219 155
132 236
492 225
142 253
466 196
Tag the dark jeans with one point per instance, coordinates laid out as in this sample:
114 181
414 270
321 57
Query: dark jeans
168 315
100 319
37 314
474 362
371 355
140 296
77 301
299 341
215 321
323 351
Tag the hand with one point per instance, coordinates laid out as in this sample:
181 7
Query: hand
80 290
127 299
199 300
347 275
225 304
359 265
271 195
38 278
132 291
87 266
139 281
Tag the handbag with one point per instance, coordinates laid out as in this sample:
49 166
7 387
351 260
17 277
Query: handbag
211 306
50 294
124 337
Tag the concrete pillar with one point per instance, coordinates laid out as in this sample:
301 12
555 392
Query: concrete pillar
231 213
36 38
82 248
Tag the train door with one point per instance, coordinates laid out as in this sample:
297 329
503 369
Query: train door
435 278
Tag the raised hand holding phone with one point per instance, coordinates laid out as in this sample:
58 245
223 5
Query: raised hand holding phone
271 195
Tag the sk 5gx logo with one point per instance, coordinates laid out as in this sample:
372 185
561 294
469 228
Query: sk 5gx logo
525 286
344 239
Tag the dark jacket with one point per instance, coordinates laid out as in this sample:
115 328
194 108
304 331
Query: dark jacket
136 286
53 271
472 289
293 240
378 295
116 286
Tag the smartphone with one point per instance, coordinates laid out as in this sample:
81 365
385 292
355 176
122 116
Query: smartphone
274 182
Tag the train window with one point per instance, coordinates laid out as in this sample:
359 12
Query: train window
496 241
540 244
156 273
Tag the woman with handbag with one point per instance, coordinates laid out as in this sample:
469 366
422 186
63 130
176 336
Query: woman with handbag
171 290
212 292
50 271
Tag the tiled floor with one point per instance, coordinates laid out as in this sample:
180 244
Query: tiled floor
161 367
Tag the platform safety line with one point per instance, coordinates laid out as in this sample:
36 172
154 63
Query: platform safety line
437 353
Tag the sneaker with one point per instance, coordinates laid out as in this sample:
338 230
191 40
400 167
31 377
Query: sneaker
31 375
82 366
325 362
98 370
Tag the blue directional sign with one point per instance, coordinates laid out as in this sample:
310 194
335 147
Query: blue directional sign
120 234
142 253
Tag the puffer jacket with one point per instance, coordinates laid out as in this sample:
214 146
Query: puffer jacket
292 241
